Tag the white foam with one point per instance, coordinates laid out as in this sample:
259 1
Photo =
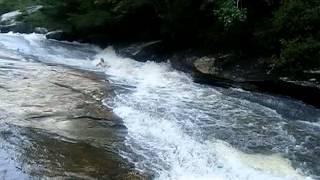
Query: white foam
10 15
255 166
37 46
164 111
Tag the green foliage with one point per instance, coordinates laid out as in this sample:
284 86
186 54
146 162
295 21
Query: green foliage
297 17
180 18
296 24
229 13
90 19
288 30
11 5
299 54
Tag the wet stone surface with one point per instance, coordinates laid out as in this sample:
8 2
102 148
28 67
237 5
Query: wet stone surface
53 124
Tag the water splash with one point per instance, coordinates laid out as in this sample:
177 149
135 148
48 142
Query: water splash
167 114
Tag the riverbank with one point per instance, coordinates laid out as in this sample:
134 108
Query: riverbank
53 124
230 70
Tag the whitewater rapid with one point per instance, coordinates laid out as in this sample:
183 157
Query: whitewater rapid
181 130
166 114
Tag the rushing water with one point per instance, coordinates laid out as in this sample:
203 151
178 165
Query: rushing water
178 129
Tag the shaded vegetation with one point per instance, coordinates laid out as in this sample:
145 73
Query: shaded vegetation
297 26
286 30
10 5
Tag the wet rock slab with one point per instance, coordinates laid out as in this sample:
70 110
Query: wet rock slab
254 76
53 125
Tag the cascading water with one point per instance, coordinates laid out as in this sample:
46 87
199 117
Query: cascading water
169 119
178 129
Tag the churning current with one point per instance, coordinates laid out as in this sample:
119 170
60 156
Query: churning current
181 130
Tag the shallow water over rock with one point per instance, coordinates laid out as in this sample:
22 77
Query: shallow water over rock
53 124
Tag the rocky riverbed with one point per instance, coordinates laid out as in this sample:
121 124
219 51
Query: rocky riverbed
53 124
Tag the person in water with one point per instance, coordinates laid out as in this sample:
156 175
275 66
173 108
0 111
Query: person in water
102 63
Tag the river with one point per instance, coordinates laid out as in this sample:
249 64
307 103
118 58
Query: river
181 130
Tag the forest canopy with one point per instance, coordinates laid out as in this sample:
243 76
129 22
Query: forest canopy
287 30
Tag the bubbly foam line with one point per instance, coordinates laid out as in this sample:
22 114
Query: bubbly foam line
164 112
193 160
37 47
